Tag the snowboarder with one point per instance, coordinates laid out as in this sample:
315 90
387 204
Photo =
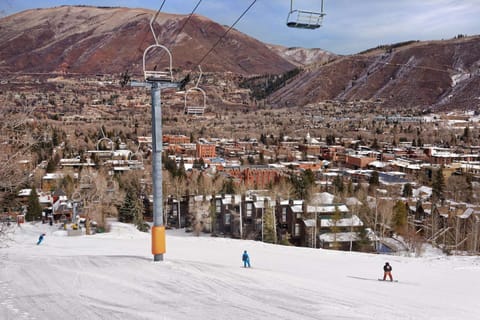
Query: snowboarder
387 272
245 259
40 239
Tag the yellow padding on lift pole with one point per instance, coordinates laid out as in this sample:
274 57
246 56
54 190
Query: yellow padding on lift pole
158 240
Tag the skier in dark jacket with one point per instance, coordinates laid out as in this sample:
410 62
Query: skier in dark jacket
387 272
40 239
245 259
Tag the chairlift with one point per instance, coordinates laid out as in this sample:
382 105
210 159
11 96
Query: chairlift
155 73
305 19
109 143
197 109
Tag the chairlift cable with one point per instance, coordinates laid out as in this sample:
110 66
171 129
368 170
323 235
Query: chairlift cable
225 33
188 19
156 14
171 42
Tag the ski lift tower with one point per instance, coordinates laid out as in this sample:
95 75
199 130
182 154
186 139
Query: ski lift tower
157 80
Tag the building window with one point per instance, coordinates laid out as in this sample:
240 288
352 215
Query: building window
249 209
218 206
296 232
284 215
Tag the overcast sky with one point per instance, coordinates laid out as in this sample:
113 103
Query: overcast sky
350 26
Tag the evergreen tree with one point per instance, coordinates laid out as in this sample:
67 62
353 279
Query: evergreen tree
228 186
469 189
181 169
338 185
263 139
303 184
407 190
51 166
364 243
399 217
438 185
201 163
55 138
147 206
34 209
374 179
131 208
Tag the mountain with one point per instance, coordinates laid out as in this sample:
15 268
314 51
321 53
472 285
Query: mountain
91 40
433 74
113 276
302 57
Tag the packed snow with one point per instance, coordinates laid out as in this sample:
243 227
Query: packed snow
113 276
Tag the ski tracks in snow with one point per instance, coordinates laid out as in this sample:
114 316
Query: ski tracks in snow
8 304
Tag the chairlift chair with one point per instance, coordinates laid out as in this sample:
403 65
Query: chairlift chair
155 73
305 19
165 75
195 109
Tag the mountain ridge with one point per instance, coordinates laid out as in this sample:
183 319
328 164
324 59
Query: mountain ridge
424 75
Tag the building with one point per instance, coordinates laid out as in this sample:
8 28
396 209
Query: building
205 150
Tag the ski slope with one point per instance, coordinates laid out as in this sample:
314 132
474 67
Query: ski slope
113 276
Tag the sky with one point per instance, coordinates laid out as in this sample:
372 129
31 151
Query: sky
350 26
113 276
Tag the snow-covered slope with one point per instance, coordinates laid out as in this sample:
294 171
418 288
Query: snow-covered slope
113 276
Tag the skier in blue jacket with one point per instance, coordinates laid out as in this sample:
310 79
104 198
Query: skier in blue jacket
245 259
40 239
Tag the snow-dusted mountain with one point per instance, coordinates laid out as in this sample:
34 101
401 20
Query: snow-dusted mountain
113 276
303 57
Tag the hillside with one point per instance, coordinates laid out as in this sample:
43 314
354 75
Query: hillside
92 40
303 57
86 40
435 74
113 276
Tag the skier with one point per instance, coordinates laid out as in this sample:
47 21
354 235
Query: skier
387 271
40 239
245 259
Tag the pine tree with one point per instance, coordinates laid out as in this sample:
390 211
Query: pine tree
399 217
34 209
407 190
131 208
438 185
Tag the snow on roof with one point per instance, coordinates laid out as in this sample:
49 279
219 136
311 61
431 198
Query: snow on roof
377 164
24 192
427 191
309 223
353 201
52 176
328 208
228 199
322 198
339 237
466 214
